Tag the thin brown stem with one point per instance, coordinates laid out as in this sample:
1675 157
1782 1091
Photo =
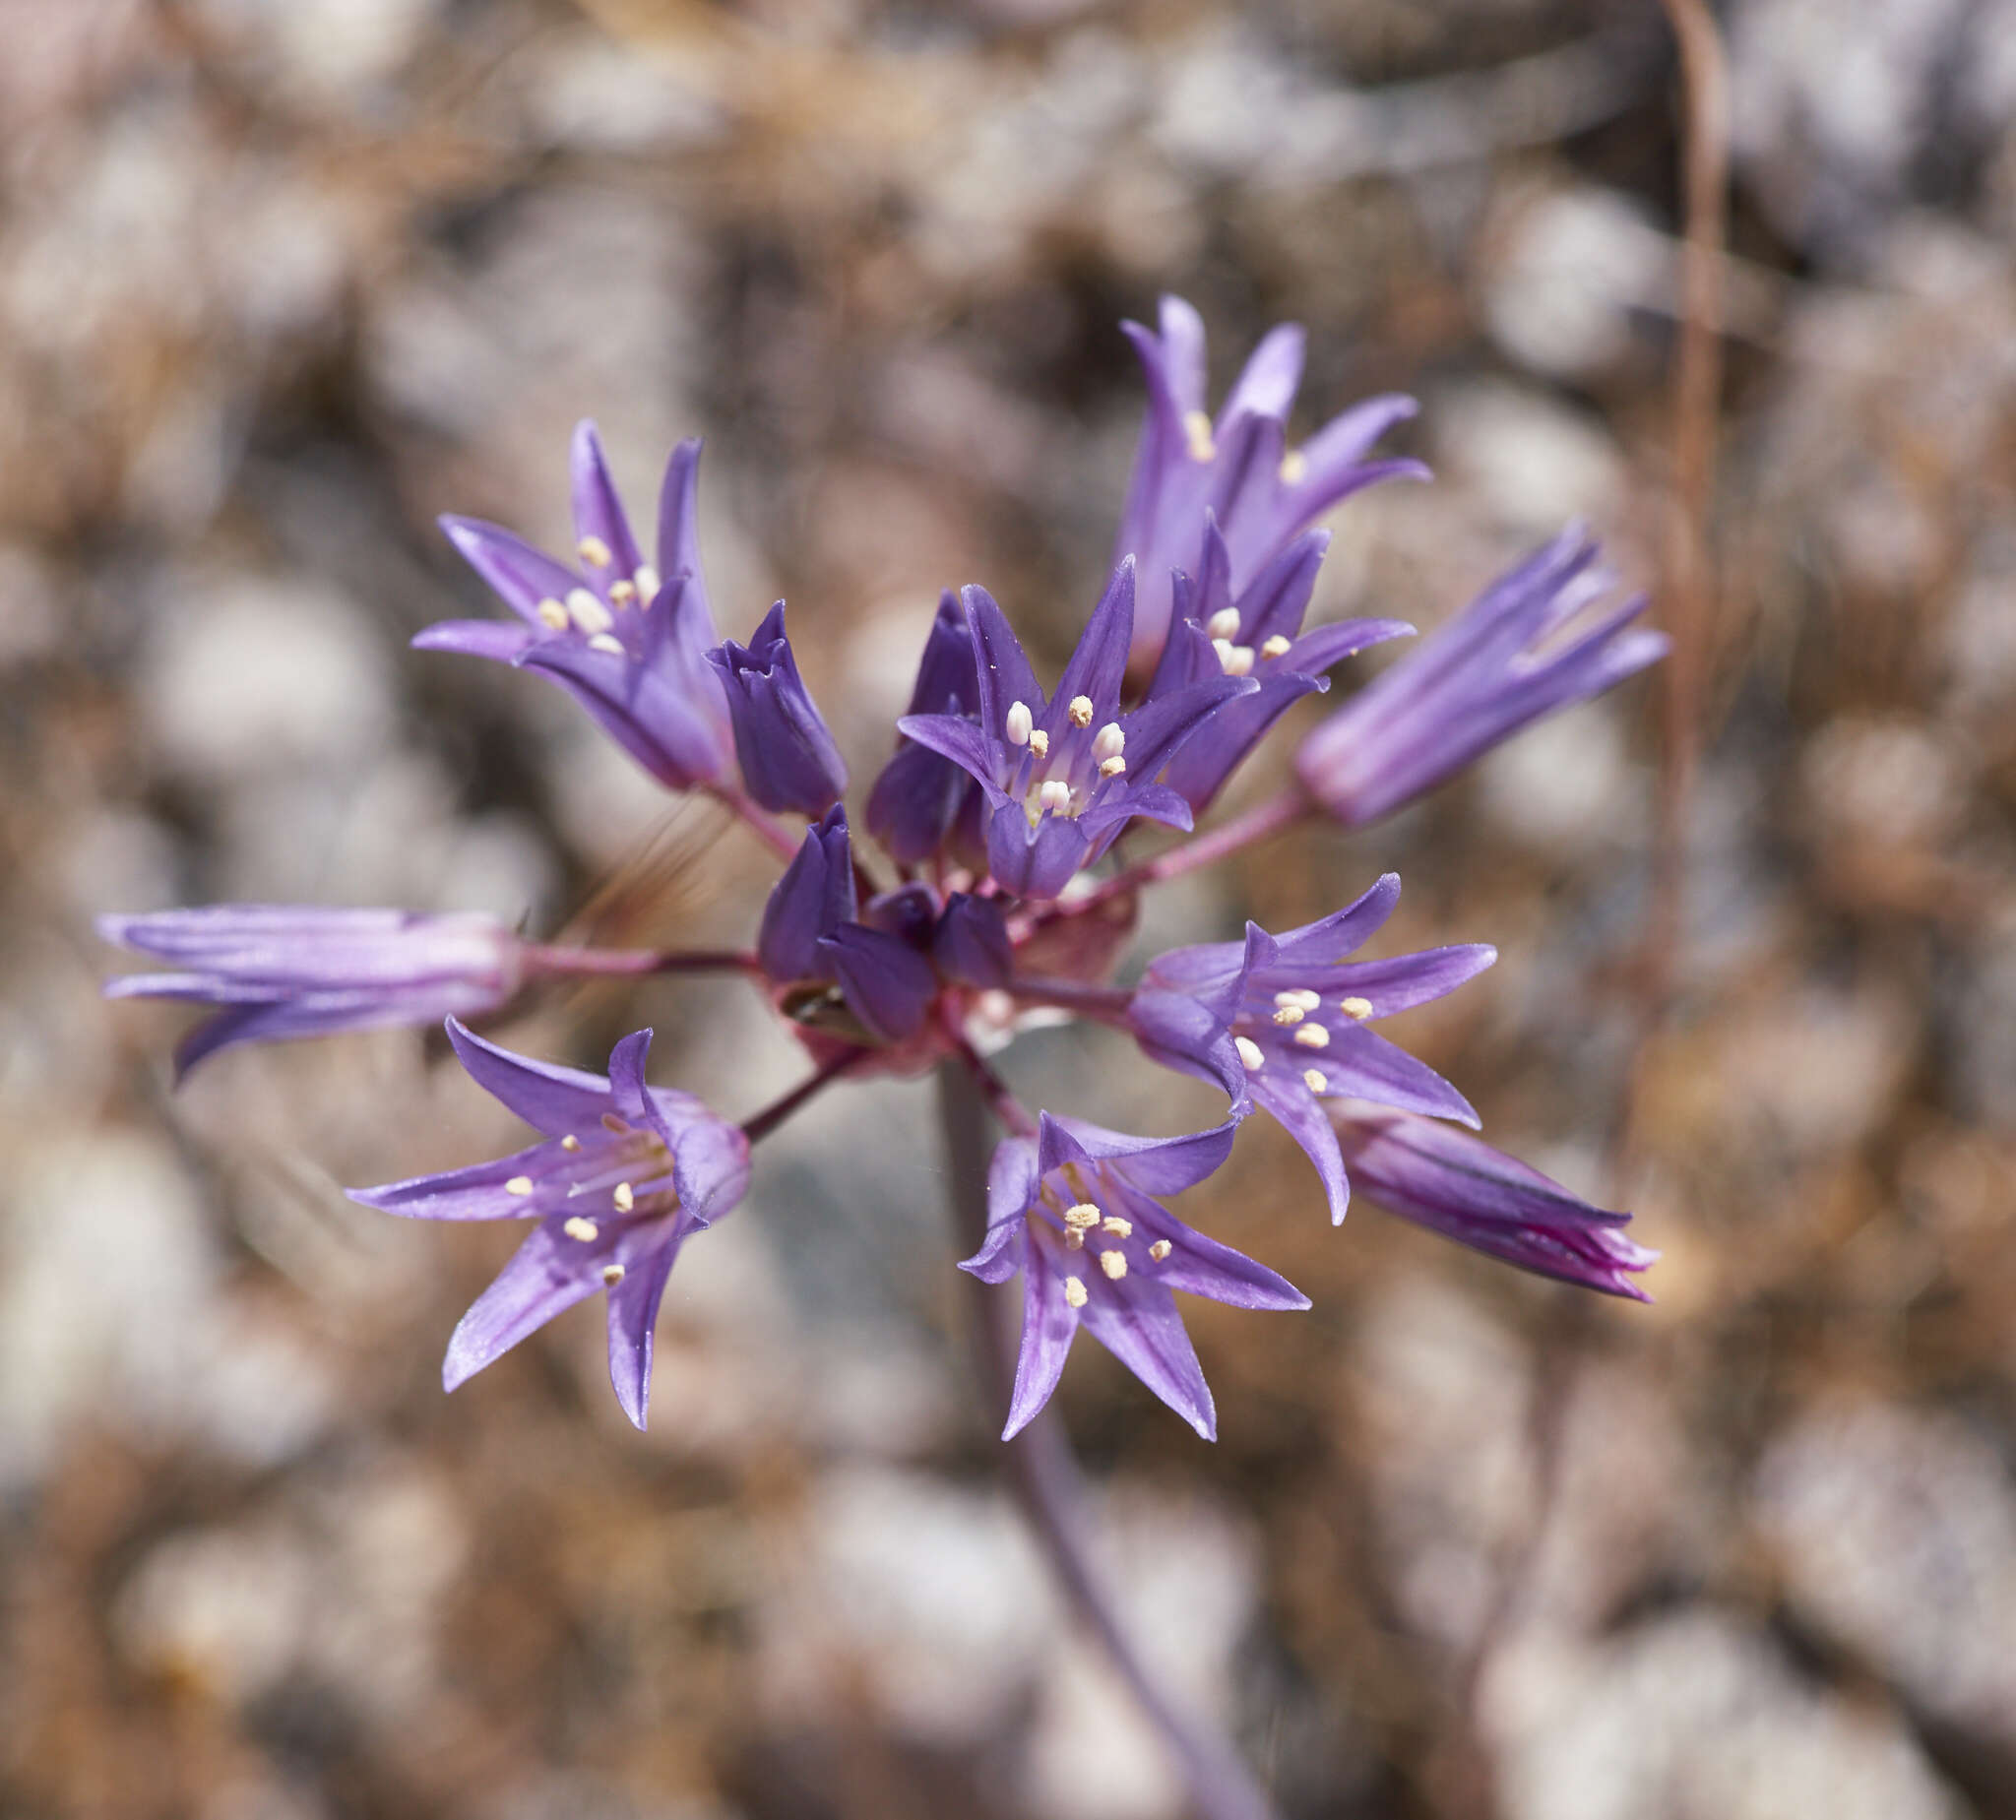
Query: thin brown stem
766 827
545 958
1108 1004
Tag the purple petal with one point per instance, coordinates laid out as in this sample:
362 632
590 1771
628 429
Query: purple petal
598 510
629 1092
520 575
633 1325
815 896
547 1274
1157 1165
1342 933
1001 667
1034 862
1049 1323
546 1096
1099 662
656 716
1321 646
496 639
1365 1066
1136 1320
969 945
1406 979
1282 1093
1273 371
1177 1030
473 1193
888 984
710 1168
1199 1264
678 530
960 740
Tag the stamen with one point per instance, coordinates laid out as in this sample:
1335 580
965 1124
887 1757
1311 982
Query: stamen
1115 1264
1110 743
1081 710
610 1123
1300 997
587 612
648 583
1055 796
1113 768
1074 1240
625 1197
1312 1079
1312 1035
1039 743
1276 647
519 1185
1294 468
1197 432
570 1142
1118 1227
1225 623
1234 659
622 593
593 551
553 613
1085 1214
1021 723
584 1229
1251 1055
1290 1013
1356 1008
609 643
1074 1292
612 1274
1159 1249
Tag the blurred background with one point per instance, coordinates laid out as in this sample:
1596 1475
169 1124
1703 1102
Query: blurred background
281 279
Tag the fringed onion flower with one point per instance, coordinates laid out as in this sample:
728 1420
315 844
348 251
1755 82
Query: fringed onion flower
1073 1209
625 1174
787 756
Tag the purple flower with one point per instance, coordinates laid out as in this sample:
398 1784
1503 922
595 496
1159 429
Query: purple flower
787 756
278 970
1258 634
1459 1186
1534 640
1238 468
1072 1209
631 649
626 1174
1063 775
1279 1020
922 799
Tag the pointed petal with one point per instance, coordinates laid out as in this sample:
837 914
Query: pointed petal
633 1326
710 1168
546 1096
1157 1165
520 575
499 639
477 1192
598 510
1198 1264
1281 1092
1365 1066
960 740
549 1273
1100 662
1272 373
1179 1032
1322 647
1342 933
815 896
653 715
1048 1324
1001 667
1136 1321
1409 979
889 985
678 527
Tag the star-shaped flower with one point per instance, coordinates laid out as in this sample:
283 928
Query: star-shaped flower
1073 1209
625 1174
1238 468
1064 773
627 641
1281 1021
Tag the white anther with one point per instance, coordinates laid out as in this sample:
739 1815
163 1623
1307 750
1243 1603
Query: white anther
1312 1079
625 1197
1234 659
1197 432
609 643
1109 742
612 1274
1085 1214
570 1142
1313 1036
1159 1249
1358 1009
519 1185
553 613
1115 1264
1276 647
1294 468
648 583
1290 1013
1300 997
1113 768
1055 796
1251 1055
1079 711
1225 623
593 551
585 1231
622 593
1118 1227
1021 723
1039 743
1074 1292
587 612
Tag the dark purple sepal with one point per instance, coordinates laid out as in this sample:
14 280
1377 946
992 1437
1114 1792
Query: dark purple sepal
969 945
813 898
888 984
787 755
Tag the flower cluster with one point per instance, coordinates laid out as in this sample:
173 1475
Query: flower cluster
999 811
